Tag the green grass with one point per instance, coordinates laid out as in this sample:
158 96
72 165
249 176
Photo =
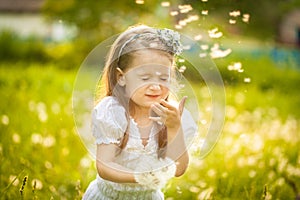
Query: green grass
255 158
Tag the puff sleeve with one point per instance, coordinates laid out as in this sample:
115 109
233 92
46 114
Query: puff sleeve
189 127
109 121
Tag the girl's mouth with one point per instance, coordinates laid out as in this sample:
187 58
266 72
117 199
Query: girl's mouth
153 96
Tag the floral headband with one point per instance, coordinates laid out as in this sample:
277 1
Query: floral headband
167 36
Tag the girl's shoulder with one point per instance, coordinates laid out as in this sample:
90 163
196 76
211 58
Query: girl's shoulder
108 102
109 121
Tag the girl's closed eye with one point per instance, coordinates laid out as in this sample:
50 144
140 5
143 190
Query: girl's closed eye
145 78
164 78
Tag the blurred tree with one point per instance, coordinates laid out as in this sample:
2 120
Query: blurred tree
265 15
90 16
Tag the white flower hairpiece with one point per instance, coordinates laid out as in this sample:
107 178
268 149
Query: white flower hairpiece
171 39
167 36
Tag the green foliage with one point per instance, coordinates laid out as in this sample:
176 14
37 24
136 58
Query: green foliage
256 157
14 48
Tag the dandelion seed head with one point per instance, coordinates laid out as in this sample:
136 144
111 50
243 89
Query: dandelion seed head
280 181
52 189
194 189
36 138
231 112
48 164
49 141
271 175
85 162
252 173
202 184
55 108
224 175
14 178
37 184
16 138
211 173
31 105
5 120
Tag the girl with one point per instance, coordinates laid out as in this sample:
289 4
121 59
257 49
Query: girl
141 140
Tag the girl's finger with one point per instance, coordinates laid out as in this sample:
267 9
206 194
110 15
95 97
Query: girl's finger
181 104
167 104
159 109
157 119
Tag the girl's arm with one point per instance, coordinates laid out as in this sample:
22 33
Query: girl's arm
176 149
108 169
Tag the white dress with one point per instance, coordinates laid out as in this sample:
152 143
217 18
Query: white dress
108 126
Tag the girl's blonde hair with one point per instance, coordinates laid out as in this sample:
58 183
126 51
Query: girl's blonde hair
120 56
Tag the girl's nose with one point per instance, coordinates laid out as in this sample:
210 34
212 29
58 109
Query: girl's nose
154 87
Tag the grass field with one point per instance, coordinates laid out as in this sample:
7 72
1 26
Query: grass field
42 157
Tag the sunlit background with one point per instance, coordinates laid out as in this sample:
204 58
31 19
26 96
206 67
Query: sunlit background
254 44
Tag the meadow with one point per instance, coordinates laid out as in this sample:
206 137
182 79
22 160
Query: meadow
256 157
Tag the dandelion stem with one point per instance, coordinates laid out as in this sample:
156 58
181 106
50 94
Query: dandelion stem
10 184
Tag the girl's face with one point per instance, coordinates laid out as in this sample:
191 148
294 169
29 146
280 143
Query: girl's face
148 77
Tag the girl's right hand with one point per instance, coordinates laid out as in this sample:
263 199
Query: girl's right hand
169 114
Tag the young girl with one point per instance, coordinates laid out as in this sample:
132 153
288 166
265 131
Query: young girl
141 135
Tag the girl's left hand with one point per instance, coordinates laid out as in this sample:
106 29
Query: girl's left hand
169 114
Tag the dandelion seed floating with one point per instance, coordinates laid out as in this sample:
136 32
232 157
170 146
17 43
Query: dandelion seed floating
247 80
5 120
177 26
218 53
204 47
214 34
235 13
235 66
204 12
182 69
202 55
16 138
198 37
246 18
37 184
174 13
232 21
139 1
186 47
185 8
165 4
